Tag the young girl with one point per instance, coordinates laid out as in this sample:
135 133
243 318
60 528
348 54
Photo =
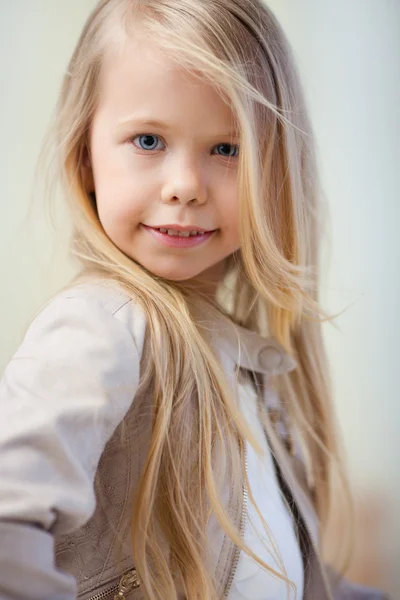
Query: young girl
166 428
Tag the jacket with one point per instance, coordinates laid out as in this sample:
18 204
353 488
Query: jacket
74 429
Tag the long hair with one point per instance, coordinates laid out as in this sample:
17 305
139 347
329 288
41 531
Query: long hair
270 285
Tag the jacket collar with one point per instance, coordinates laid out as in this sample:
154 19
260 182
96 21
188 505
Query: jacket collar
246 348
255 352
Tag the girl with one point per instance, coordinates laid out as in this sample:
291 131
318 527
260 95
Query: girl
166 427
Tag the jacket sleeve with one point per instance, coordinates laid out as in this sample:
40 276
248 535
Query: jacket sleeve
61 398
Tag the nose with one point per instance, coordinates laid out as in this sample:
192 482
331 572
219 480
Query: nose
184 183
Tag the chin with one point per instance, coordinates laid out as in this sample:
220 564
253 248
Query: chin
174 276
173 273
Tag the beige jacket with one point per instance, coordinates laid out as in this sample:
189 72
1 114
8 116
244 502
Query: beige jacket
74 429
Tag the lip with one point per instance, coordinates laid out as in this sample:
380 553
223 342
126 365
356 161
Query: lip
179 241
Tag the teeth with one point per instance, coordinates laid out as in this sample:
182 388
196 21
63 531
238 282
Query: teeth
175 232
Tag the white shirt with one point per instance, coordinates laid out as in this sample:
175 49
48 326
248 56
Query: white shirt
251 581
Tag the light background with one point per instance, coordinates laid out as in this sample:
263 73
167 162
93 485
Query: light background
349 57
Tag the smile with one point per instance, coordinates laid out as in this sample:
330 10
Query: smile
175 232
175 238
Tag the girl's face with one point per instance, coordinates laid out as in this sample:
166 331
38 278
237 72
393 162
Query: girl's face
164 156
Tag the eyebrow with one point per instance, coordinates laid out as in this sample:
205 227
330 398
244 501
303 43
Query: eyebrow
144 122
138 122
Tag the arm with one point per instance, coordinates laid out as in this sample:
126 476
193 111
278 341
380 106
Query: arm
62 396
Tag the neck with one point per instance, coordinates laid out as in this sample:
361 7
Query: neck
206 283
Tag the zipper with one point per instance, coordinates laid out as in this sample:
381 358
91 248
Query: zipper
128 582
241 528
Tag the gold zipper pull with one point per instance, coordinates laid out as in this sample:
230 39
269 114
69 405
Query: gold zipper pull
127 583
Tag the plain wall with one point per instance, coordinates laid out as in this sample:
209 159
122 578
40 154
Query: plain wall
349 57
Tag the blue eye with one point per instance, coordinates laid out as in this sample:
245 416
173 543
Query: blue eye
228 150
148 142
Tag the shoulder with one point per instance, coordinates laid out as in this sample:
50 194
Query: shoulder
62 396
107 294
98 308
78 367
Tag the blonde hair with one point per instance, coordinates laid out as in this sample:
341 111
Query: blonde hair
270 284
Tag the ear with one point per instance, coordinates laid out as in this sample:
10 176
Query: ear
87 172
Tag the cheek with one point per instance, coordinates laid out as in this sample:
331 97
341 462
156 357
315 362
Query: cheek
116 202
229 206
230 217
122 189
115 211
119 194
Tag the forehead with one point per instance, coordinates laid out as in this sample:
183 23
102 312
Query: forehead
142 79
